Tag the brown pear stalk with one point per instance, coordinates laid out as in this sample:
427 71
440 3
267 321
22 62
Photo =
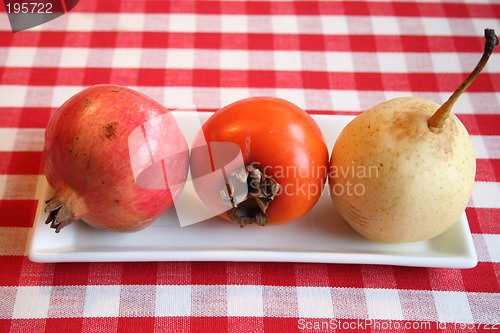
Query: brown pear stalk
438 119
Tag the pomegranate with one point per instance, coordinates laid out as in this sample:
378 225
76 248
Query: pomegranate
116 159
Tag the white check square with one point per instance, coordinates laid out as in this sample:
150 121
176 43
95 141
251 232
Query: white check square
244 301
102 301
32 302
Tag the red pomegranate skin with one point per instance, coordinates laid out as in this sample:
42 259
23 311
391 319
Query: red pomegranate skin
88 164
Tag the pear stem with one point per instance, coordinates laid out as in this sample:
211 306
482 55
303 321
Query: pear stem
437 121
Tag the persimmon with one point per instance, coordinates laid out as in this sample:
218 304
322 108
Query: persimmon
260 160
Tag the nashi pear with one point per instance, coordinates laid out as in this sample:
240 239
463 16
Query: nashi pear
407 183
403 171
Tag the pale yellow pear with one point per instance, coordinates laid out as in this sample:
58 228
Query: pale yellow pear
410 183
404 170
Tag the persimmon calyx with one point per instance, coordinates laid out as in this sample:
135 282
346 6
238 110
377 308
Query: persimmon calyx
249 192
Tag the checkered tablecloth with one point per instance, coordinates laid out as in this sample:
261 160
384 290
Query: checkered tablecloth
331 57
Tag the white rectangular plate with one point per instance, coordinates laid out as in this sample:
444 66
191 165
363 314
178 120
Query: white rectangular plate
320 236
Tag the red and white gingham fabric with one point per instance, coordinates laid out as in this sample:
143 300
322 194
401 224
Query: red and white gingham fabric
333 57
